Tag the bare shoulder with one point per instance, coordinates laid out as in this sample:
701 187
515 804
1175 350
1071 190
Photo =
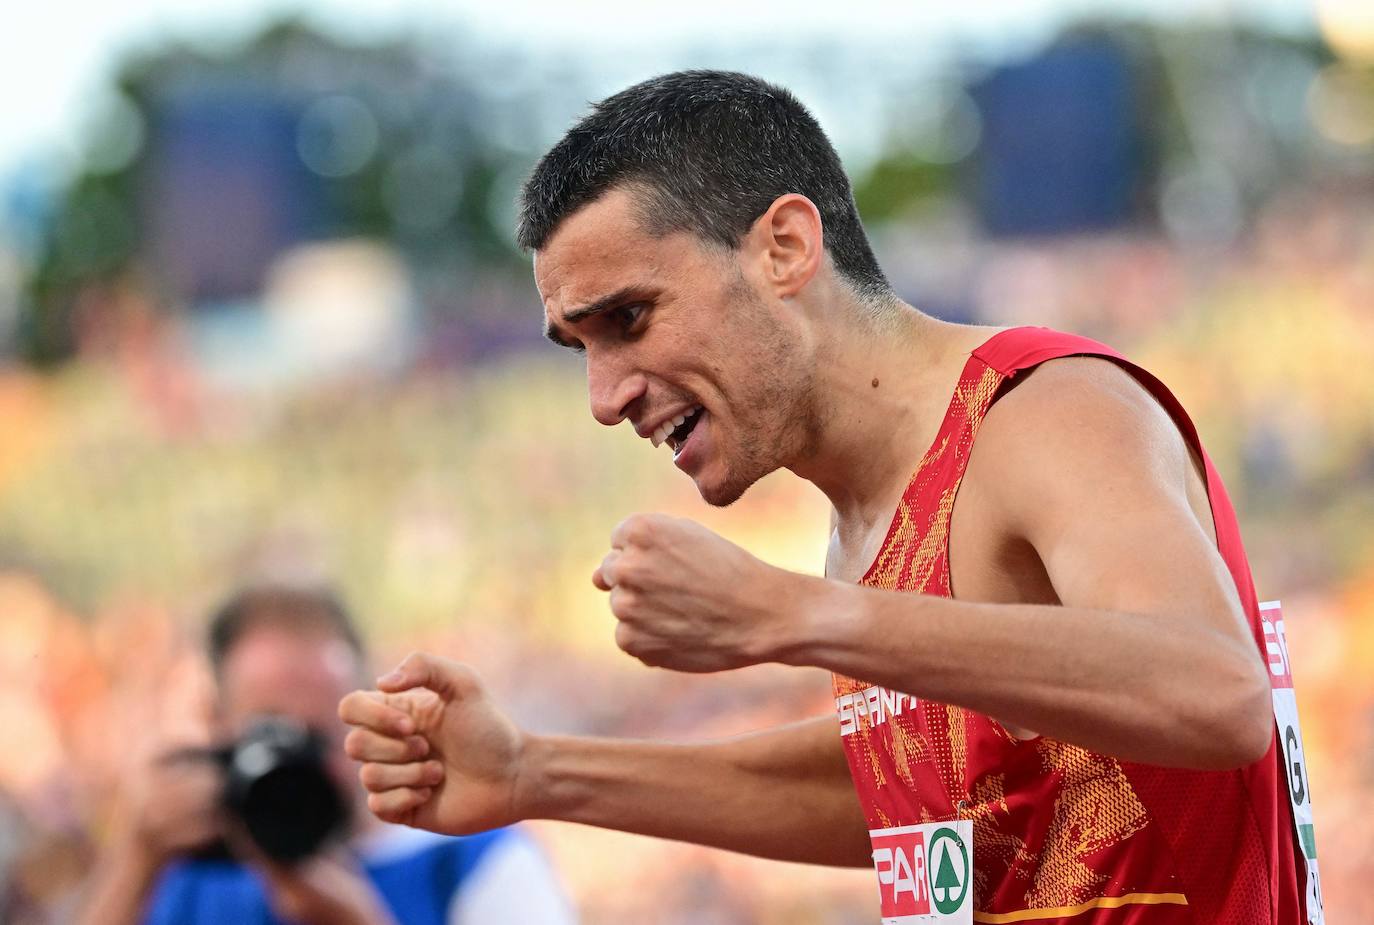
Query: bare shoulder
1083 395
1080 386
1075 427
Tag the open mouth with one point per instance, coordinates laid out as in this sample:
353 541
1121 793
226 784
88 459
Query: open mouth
676 431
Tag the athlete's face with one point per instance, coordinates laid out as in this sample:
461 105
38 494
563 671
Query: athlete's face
674 331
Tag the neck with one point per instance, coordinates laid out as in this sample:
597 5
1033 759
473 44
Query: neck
884 383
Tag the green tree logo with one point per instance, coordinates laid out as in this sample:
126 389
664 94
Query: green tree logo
948 856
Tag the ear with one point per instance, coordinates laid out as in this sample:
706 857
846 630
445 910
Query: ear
790 243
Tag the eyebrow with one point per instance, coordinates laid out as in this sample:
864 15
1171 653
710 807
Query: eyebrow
603 304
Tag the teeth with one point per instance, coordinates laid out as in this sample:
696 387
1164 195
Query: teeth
659 436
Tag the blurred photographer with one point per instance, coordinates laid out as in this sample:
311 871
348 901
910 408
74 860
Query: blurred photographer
203 840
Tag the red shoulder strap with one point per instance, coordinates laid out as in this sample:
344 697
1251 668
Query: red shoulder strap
1018 349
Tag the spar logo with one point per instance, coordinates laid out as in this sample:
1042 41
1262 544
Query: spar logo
949 858
924 871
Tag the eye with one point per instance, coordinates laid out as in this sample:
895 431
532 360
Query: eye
627 316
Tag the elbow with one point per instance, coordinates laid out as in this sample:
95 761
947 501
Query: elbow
1251 737
1239 724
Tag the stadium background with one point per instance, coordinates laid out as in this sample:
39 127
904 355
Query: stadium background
261 315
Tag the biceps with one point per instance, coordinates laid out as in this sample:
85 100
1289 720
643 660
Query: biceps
1151 561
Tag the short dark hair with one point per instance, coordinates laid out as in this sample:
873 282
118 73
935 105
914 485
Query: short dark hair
298 609
711 150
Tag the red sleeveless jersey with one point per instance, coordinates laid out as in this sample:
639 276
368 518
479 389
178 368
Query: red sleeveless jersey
1062 834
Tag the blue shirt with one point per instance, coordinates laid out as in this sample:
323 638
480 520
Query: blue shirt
418 886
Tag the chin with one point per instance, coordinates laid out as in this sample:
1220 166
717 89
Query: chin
725 491
717 497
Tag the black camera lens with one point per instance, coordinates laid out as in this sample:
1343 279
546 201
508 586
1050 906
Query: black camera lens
277 784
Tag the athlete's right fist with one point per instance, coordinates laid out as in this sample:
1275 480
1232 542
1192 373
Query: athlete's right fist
436 754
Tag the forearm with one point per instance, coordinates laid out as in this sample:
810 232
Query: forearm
784 793
119 888
1142 688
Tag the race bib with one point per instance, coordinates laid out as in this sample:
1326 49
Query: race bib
925 872
1290 745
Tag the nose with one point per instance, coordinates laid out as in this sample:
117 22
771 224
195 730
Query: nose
612 389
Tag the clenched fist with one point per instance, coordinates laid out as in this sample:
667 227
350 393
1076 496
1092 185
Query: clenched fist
436 752
690 600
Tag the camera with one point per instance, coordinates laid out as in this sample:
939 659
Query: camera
276 786
276 783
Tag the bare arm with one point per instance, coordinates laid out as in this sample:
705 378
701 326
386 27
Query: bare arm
784 793
1149 658
438 755
167 809
119 888
1140 688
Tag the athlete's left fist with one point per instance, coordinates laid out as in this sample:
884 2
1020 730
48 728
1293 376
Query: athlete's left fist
687 599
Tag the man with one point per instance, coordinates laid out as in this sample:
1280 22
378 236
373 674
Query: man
292 653
1077 687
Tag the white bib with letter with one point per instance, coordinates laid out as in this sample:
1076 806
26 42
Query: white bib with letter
1290 748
